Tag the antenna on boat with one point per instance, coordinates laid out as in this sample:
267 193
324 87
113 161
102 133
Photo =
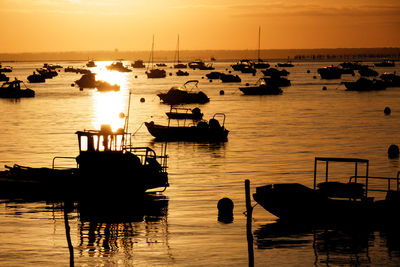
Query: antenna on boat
127 117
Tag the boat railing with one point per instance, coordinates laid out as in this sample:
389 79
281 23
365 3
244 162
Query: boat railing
389 180
146 153
58 157
222 115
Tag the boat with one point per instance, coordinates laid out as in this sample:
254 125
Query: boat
103 86
368 72
385 63
199 64
87 81
333 200
184 95
118 66
363 85
138 64
202 131
278 81
3 77
238 66
184 113
329 73
260 64
391 79
36 78
13 90
154 73
91 64
178 64
275 72
262 87
47 73
161 65
5 69
109 167
182 73
229 78
248 69
285 65
214 75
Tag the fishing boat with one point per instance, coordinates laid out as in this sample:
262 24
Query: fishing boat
13 90
178 64
260 64
184 95
261 87
333 199
108 167
154 73
201 131
118 66
184 113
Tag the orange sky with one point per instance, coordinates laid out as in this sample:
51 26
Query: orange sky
82 25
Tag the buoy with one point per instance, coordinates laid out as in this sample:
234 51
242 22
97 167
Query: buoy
308 71
324 88
247 84
315 77
225 210
210 81
229 71
72 84
387 111
202 77
221 92
393 151
135 76
170 74
80 89
142 100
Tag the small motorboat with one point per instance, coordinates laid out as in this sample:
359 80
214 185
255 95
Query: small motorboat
275 72
229 78
386 63
161 65
91 64
138 64
201 131
285 65
36 78
184 114
363 85
156 73
118 66
333 200
262 87
278 81
13 90
368 72
182 73
391 79
87 81
260 64
330 73
238 66
5 68
214 75
103 86
199 64
47 73
184 95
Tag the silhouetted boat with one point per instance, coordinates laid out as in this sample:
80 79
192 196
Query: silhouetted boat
368 72
138 64
87 81
154 73
275 72
3 77
390 79
182 73
184 113
331 72
332 201
5 69
386 63
260 64
261 88
13 90
91 64
47 73
199 64
229 78
248 69
36 78
177 95
278 81
161 65
118 66
200 132
214 75
103 86
238 66
363 84
178 64
109 167
285 65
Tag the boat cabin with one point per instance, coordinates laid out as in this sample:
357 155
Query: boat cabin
101 140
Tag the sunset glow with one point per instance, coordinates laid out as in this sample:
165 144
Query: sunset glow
85 25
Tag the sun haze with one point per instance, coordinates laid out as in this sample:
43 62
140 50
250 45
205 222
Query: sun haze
128 25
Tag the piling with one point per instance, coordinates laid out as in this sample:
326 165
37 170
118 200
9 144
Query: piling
249 212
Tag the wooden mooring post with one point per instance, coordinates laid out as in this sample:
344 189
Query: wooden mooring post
249 213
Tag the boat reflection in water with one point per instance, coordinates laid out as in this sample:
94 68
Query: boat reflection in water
344 245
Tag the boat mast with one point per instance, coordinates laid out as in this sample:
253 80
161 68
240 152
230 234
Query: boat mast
178 48
259 42
151 56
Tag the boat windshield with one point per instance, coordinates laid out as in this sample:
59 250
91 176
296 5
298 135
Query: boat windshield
99 141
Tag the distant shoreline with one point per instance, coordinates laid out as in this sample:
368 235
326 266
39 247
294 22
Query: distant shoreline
328 54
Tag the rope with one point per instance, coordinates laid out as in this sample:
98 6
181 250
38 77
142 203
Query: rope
138 129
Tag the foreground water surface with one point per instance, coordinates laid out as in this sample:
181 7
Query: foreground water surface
272 139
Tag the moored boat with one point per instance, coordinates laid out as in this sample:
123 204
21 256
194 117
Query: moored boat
13 90
184 113
91 64
4 78
118 66
332 201
138 64
329 73
262 87
36 78
363 85
184 95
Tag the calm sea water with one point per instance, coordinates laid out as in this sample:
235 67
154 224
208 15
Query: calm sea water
272 139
